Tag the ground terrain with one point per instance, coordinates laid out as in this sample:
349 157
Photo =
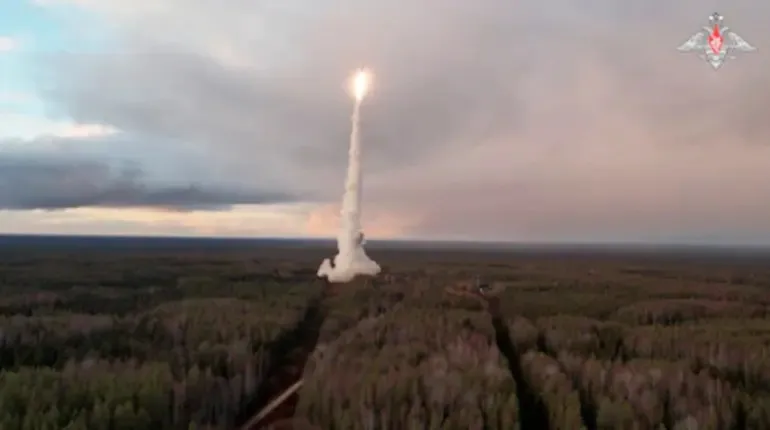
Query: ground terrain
203 335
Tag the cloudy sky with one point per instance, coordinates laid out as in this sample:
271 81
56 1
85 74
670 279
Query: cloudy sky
491 119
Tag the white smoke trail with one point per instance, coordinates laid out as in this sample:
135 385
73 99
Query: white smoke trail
350 215
351 259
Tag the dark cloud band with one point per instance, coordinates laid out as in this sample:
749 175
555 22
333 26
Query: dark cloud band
62 183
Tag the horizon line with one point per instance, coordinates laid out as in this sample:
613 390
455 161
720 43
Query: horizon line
417 240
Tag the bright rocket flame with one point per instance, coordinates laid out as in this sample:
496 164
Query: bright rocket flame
361 83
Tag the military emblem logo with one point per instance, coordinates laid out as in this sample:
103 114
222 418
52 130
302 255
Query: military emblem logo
716 43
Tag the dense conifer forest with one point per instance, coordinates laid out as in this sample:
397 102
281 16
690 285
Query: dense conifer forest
204 339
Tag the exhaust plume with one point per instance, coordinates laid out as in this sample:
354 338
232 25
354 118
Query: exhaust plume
351 259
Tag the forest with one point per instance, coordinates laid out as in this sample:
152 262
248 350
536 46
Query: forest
206 338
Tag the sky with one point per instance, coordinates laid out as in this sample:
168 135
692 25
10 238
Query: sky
498 120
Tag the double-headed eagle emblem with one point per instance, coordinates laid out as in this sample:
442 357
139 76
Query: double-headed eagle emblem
716 43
